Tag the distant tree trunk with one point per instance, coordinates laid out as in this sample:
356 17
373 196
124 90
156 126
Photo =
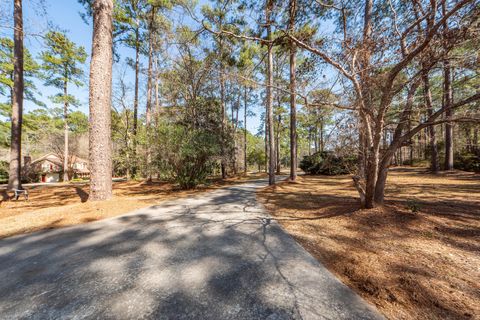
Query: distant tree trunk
65 133
266 144
135 98
15 169
269 107
277 145
148 113
293 88
157 102
475 139
448 115
223 163
100 148
245 168
434 165
322 142
448 101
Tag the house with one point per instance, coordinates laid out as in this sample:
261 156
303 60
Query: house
49 168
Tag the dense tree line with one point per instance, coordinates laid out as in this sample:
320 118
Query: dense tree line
389 82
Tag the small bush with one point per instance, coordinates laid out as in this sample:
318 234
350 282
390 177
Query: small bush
3 171
467 161
328 163
189 150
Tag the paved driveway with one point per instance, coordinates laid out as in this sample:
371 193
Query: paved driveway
214 256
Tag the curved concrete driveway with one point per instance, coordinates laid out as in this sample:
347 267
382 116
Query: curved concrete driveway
214 256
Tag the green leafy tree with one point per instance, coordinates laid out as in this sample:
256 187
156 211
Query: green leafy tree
31 71
62 64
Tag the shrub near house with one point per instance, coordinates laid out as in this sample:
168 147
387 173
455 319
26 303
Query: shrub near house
327 163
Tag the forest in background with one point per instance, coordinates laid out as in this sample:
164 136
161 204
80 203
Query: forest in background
385 83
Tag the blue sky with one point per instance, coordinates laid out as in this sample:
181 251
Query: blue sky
65 15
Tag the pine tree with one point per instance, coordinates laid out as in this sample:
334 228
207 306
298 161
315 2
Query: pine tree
62 66
100 147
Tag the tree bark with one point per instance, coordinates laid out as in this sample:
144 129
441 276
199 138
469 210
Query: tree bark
245 110
448 114
269 107
135 99
434 164
148 112
65 132
15 169
100 147
277 145
293 88
448 101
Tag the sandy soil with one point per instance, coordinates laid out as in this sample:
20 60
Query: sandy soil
418 257
65 205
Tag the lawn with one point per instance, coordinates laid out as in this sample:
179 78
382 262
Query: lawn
67 204
418 257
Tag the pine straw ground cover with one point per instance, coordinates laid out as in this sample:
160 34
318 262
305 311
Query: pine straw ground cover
66 204
418 257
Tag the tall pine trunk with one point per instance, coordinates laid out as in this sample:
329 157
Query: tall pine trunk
15 170
148 112
434 164
65 133
293 88
100 147
448 114
447 100
245 97
135 99
269 107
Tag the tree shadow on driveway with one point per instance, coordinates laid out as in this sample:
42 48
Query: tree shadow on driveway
200 258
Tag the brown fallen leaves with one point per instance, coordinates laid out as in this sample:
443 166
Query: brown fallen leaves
418 257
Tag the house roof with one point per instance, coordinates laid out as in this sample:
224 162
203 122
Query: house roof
55 159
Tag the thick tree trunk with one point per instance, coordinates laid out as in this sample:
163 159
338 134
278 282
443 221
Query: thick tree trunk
269 107
15 169
65 133
434 164
293 88
100 147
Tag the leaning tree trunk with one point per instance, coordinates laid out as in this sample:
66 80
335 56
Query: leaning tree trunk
15 170
100 147
293 87
269 107
65 133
